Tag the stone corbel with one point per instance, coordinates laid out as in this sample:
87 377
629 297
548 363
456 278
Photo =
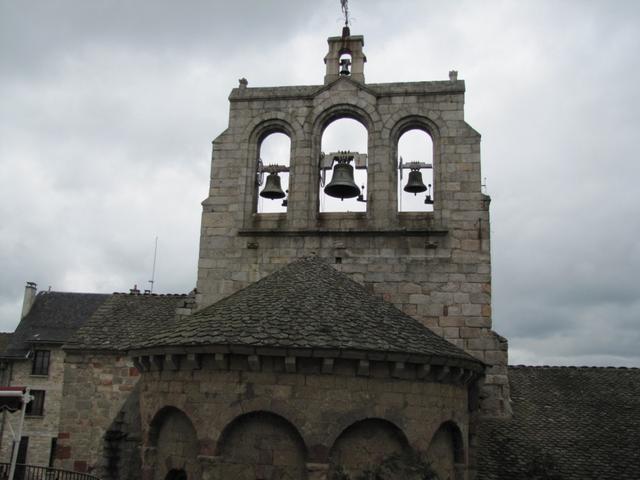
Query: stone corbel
254 363
192 361
290 364
423 371
444 371
327 365
156 362
398 369
172 362
467 377
220 361
138 364
363 368
145 363
457 374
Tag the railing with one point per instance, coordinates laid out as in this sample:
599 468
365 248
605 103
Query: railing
33 472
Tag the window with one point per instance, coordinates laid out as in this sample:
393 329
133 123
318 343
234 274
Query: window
35 407
40 362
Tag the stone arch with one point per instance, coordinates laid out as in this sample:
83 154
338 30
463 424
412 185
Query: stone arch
366 443
257 131
175 442
269 122
335 111
446 452
402 125
262 445
332 113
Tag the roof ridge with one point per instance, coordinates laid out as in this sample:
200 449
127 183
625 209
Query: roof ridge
57 292
142 294
574 367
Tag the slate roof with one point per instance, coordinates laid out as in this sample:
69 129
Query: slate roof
126 319
53 318
574 422
5 337
307 304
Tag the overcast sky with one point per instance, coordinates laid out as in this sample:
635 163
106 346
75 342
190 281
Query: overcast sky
108 108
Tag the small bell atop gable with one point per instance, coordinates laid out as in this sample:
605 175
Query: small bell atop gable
345 58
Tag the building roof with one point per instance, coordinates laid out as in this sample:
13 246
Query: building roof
126 319
307 305
5 337
53 318
572 422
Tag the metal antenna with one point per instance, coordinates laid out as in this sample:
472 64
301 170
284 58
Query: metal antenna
153 271
345 10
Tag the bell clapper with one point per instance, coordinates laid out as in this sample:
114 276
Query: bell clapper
428 200
361 196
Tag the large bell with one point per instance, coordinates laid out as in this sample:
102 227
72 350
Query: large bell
415 184
342 184
272 189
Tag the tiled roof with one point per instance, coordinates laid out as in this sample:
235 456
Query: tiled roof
307 304
54 317
126 319
5 337
572 422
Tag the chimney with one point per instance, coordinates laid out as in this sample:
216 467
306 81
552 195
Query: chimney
30 291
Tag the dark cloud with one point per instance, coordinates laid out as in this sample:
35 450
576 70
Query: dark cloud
109 107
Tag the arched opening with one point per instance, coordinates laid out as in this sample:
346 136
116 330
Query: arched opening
446 452
262 445
365 445
415 149
177 447
273 175
175 474
340 136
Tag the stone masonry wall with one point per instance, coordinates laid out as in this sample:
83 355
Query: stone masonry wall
434 266
40 429
96 388
318 407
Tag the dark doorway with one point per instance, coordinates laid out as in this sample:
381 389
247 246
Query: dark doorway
176 475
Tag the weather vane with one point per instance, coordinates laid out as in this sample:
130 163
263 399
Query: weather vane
345 10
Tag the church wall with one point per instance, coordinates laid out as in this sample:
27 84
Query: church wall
97 388
307 405
435 266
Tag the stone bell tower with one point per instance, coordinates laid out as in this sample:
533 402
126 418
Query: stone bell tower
433 265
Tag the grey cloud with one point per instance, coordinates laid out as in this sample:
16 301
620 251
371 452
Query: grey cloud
108 110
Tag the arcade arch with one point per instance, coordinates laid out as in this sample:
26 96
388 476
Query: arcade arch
344 135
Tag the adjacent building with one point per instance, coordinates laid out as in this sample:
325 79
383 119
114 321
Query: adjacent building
34 357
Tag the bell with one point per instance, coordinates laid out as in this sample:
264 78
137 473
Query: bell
272 189
342 184
415 184
345 63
